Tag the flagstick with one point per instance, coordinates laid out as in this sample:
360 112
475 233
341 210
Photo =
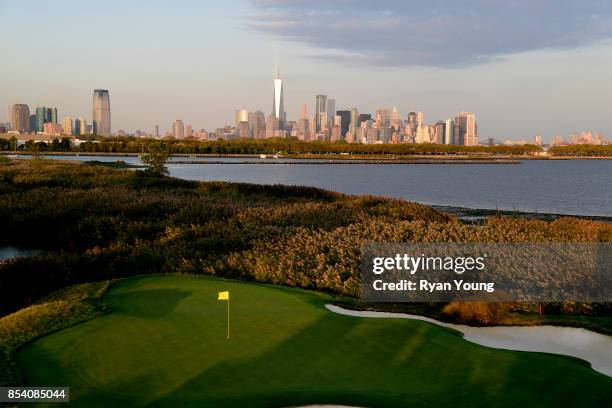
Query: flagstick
228 322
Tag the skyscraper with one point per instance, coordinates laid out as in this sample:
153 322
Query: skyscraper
242 115
101 116
51 115
19 115
156 132
272 126
278 104
362 118
466 129
67 125
331 112
354 123
257 125
178 129
346 121
449 131
383 117
440 128
320 113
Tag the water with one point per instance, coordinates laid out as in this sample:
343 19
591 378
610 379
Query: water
14 252
578 187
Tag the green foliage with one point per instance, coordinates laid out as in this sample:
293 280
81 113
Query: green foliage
156 161
100 223
274 145
584 150
60 310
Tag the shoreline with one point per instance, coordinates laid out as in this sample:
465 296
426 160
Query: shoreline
478 215
336 157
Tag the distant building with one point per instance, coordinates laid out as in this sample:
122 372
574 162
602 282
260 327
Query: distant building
320 113
345 123
156 132
33 123
19 115
178 129
272 124
53 129
242 115
257 125
396 122
537 140
354 123
331 112
243 129
101 114
40 118
278 103
383 118
449 131
440 132
466 129
67 125
363 117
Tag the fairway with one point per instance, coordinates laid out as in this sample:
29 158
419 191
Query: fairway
164 344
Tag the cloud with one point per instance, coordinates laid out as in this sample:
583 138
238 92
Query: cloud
441 33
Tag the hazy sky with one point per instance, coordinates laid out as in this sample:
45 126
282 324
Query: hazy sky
523 66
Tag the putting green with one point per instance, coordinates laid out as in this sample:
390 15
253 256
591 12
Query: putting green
164 344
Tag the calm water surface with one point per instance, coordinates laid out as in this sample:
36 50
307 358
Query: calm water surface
581 187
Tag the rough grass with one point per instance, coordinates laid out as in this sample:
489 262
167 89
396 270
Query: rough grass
59 310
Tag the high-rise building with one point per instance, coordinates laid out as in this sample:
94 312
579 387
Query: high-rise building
396 122
257 125
449 131
189 131
40 118
440 131
178 129
383 117
363 117
243 129
466 129
272 126
242 115
320 113
304 111
331 112
76 127
278 104
412 123
67 125
33 123
156 132
101 115
19 115
346 121
354 123
51 115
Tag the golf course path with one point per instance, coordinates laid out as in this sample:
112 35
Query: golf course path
580 343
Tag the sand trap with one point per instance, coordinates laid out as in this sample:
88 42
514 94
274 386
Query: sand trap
581 343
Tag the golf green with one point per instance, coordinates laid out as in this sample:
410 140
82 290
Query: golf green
164 344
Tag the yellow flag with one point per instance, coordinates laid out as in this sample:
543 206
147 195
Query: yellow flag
223 296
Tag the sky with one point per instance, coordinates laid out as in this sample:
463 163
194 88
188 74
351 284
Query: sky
523 67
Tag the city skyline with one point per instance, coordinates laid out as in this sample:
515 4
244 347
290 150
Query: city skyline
550 86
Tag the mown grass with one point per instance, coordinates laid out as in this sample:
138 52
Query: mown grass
164 344
55 312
